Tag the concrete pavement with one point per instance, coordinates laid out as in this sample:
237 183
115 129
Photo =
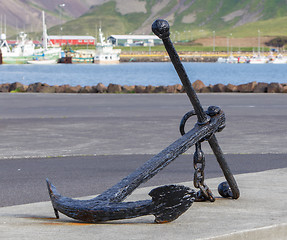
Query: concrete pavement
260 213
45 125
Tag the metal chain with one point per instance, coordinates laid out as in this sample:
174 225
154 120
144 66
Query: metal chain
204 192
198 181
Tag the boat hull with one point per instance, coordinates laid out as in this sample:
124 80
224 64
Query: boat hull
107 61
82 60
16 60
42 62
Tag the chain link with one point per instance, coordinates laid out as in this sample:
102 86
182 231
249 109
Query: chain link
204 192
198 180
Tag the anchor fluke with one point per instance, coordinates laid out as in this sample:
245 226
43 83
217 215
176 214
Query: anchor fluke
53 194
171 201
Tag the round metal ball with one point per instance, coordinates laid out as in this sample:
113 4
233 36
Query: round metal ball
224 190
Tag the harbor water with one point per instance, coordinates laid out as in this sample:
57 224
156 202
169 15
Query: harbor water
155 74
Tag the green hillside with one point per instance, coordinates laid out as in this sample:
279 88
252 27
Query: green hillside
271 27
105 16
188 18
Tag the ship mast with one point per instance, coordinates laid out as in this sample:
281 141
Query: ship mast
45 35
3 40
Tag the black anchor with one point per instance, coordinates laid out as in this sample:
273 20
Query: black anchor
167 202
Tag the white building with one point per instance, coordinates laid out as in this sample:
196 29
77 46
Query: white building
134 40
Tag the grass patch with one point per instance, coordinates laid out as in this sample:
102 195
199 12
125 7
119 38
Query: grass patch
182 48
17 90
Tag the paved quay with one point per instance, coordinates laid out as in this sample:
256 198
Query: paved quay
260 213
37 130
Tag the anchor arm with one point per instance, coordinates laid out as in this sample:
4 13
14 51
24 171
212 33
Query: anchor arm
167 204
125 187
104 207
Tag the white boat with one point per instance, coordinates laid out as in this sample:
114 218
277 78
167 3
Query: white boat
42 61
280 59
24 49
232 59
243 59
83 56
258 60
105 54
221 60
48 51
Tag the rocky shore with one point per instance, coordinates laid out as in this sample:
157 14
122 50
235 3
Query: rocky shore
199 86
165 58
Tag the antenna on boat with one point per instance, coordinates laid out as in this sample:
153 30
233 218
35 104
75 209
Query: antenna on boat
45 35
3 41
3 29
5 25
1 25
96 33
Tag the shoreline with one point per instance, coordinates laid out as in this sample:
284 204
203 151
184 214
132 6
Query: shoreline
165 58
198 85
208 57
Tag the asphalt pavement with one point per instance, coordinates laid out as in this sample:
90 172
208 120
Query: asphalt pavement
51 125
22 181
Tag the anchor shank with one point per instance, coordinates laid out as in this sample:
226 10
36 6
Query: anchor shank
224 166
161 29
201 115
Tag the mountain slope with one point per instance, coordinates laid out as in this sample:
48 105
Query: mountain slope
188 18
107 16
27 14
192 18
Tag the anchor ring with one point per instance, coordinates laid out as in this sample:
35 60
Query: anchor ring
184 119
